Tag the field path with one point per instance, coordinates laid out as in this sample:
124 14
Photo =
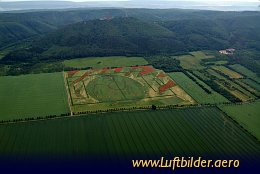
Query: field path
68 93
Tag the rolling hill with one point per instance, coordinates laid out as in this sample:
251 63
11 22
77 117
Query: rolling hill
119 36
22 25
19 25
241 32
109 32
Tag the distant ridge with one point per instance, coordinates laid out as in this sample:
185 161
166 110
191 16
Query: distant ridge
154 4
118 36
129 36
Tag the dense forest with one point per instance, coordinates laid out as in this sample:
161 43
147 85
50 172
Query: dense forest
131 36
23 25
30 38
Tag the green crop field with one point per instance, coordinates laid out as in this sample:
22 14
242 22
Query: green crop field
185 132
196 91
128 87
248 95
233 88
228 72
1 55
201 74
243 70
247 115
201 55
192 61
103 62
212 72
248 87
32 95
220 62
251 83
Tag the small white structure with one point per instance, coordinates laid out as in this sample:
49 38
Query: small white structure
106 18
227 51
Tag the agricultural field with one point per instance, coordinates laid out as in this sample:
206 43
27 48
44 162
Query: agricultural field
236 89
215 74
3 69
196 91
1 55
32 95
244 91
243 70
206 70
201 55
246 115
204 76
251 83
182 132
192 61
220 62
127 87
231 74
103 62
252 90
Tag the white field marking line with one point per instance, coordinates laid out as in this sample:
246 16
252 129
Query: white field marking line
68 93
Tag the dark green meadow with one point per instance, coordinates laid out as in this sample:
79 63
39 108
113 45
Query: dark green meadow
192 131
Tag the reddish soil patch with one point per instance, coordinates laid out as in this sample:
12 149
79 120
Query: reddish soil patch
71 73
93 70
161 74
136 67
82 77
117 70
104 70
145 69
166 86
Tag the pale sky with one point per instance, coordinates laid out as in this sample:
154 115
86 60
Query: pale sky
146 0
